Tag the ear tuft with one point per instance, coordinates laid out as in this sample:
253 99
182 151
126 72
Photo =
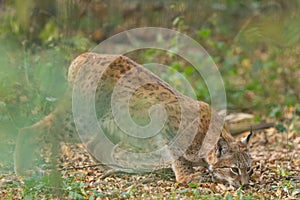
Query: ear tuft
246 139
222 147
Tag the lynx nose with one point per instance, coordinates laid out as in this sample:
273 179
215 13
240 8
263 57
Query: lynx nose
244 181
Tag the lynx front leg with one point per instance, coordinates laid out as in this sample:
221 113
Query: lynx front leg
183 170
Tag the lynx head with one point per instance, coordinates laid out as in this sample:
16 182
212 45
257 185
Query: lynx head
230 161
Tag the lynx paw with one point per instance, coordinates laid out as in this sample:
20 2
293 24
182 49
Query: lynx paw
192 178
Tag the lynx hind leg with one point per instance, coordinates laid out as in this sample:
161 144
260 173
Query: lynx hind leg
26 144
183 170
24 151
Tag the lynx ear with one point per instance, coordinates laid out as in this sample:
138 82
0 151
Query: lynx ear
246 139
221 147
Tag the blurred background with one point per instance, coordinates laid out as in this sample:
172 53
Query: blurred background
255 44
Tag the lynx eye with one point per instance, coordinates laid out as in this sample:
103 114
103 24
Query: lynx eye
234 170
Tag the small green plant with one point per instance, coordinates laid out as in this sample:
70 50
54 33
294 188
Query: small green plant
47 186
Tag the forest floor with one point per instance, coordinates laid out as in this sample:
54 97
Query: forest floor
275 159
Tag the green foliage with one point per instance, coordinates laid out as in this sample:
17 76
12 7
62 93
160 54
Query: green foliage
28 81
204 33
48 185
257 55
228 197
245 75
281 128
50 32
75 189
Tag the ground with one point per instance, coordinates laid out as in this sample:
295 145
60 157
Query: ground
276 162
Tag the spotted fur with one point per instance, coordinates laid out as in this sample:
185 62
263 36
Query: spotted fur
227 159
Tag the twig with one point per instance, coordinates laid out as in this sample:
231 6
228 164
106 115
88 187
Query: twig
81 167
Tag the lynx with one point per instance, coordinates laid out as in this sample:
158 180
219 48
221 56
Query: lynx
227 159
